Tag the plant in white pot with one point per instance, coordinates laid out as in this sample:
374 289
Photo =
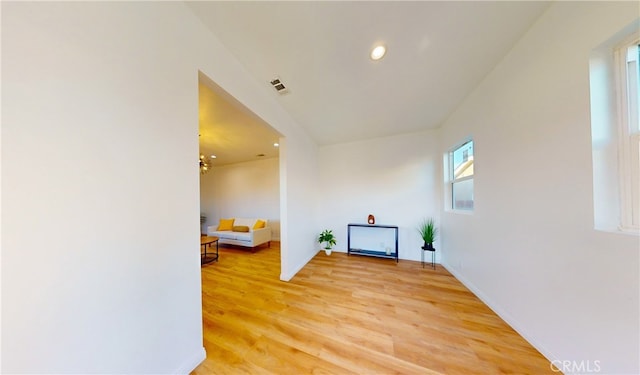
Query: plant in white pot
428 232
329 239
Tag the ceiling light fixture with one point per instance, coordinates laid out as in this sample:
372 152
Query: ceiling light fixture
276 144
378 52
205 164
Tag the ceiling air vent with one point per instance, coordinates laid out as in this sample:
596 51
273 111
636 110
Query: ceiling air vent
278 85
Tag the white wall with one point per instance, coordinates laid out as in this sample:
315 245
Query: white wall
249 189
530 249
100 252
298 203
100 248
397 179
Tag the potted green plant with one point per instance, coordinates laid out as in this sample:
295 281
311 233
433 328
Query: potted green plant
428 232
329 239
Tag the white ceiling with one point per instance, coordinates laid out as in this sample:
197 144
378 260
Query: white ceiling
438 52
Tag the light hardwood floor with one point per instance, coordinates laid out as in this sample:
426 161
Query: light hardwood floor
350 315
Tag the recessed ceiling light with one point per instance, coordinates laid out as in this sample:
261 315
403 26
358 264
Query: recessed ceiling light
276 144
378 52
213 156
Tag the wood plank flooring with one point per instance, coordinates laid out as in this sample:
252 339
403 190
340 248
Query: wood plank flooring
350 315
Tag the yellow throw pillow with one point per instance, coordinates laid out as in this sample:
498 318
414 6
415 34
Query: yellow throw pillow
259 224
240 228
226 224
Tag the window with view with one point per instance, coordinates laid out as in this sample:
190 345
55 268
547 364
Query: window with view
615 132
461 177
629 147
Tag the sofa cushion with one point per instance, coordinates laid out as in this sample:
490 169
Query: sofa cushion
240 228
226 224
245 222
259 224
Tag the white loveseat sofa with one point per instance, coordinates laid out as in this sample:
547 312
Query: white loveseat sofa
243 232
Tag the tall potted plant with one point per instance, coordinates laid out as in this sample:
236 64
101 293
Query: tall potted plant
329 239
428 232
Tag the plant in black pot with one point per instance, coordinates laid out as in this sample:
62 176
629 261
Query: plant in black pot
329 239
428 232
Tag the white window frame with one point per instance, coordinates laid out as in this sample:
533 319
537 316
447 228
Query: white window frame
452 180
628 137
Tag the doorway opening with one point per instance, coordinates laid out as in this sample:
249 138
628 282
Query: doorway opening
242 152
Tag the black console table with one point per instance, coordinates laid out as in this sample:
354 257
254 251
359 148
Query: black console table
372 253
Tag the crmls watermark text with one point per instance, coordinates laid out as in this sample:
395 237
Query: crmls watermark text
582 367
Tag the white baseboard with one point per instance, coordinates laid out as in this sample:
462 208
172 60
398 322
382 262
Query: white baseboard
513 323
192 362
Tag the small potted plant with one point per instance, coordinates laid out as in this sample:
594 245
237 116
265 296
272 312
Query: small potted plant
329 239
428 232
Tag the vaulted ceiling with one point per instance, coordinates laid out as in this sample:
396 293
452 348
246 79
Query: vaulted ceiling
437 53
